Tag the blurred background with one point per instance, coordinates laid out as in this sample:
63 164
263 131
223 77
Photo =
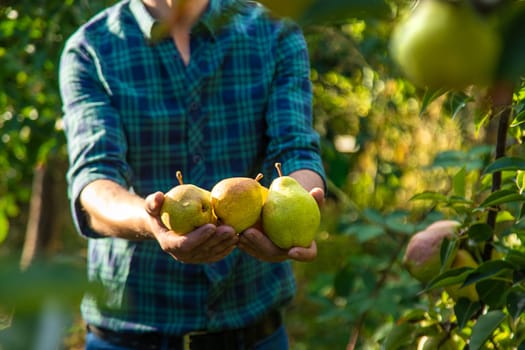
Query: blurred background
384 141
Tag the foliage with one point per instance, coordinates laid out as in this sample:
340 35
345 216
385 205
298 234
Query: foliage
397 159
31 38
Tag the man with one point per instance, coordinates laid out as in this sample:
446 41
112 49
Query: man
214 88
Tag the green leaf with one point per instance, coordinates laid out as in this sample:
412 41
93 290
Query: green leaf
501 197
518 120
429 97
505 163
456 102
365 232
62 278
480 232
520 180
464 310
450 159
429 195
488 270
504 216
516 303
484 327
400 336
517 258
373 216
447 253
458 182
450 277
398 222
493 292
522 213
4 227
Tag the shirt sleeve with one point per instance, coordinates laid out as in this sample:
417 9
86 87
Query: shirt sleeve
95 139
292 139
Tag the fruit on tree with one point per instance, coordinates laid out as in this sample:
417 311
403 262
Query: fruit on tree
422 256
238 201
446 44
436 342
186 207
290 215
463 259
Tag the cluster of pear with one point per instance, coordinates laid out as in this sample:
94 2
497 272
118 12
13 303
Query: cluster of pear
422 257
285 211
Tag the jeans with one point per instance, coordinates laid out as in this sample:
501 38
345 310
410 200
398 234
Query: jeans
277 341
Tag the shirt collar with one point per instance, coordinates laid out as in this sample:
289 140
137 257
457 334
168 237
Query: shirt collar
155 31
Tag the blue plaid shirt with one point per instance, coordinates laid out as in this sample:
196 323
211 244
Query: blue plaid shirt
135 114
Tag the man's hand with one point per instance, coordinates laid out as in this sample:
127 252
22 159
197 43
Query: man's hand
254 242
206 244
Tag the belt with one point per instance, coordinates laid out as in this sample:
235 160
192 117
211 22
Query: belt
199 340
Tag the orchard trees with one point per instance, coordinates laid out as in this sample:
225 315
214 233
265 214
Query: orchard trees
481 269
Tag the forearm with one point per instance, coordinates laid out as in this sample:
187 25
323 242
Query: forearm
114 211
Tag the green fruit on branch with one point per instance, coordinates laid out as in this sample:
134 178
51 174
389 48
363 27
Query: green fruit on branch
445 44
186 207
463 259
437 342
290 215
422 257
238 201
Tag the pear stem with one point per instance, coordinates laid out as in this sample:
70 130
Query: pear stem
259 177
279 170
179 177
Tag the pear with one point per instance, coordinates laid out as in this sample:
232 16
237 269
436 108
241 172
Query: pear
463 259
238 201
422 256
290 215
437 342
186 207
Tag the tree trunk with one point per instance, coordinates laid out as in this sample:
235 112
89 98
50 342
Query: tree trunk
47 209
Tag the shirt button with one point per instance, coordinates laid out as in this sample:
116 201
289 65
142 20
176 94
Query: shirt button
194 106
196 158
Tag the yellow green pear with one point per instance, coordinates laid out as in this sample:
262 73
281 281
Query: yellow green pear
446 44
238 201
186 207
437 342
463 259
290 215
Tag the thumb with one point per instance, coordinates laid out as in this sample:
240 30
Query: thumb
154 203
318 194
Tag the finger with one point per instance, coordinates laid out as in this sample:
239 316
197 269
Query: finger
200 235
257 244
220 242
221 254
318 194
212 247
255 239
154 203
208 256
303 254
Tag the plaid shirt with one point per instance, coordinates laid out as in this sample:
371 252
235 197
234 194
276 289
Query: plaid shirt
135 114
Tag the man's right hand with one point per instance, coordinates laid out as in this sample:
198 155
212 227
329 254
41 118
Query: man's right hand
206 244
